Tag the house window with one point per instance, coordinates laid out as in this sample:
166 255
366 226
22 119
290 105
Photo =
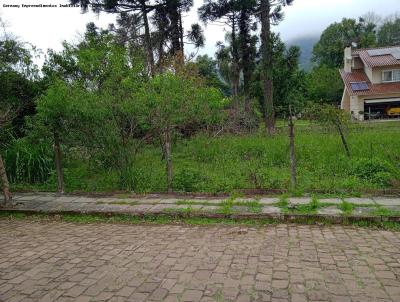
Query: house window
396 75
391 76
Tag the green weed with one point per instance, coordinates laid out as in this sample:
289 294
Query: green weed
380 211
346 207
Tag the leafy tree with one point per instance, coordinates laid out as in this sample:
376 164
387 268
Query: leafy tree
330 48
389 32
288 79
207 68
91 101
140 10
173 100
270 12
53 111
167 15
324 84
17 90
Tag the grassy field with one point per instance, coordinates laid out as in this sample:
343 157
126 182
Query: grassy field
228 163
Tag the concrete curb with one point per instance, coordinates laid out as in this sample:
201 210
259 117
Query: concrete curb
281 217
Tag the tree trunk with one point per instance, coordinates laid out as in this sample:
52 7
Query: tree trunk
161 56
59 170
266 64
168 158
245 43
343 138
173 12
293 164
235 59
4 182
147 39
181 32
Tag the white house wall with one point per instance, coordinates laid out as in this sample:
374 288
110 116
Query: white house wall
357 107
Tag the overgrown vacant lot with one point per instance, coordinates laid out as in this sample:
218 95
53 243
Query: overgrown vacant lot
226 163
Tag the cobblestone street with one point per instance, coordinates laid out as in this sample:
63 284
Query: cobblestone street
58 261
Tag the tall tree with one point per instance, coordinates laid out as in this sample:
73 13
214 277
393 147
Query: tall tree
207 68
330 48
247 42
18 78
389 32
270 13
141 8
324 85
225 12
238 15
288 79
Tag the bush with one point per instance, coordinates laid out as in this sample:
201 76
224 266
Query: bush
375 170
188 180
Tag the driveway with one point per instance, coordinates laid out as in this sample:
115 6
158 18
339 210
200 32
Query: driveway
58 261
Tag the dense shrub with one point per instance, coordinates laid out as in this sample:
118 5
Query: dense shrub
188 180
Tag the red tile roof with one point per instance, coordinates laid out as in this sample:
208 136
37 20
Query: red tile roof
376 61
373 89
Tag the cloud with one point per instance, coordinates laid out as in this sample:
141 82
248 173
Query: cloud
48 27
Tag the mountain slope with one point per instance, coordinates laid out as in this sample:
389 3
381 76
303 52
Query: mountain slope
306 45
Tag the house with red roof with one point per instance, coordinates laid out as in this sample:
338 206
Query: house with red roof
372 81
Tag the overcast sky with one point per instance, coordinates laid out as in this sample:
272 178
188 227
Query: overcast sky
48 27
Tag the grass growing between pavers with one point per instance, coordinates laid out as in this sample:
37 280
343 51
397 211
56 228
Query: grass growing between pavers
306 209
381 211
186 211
346 207
315 204
226 206
185 220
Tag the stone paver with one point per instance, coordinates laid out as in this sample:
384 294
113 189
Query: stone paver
329 211
271 210
363 211
58 261
331 200
387 201
299 200
359 201
268 200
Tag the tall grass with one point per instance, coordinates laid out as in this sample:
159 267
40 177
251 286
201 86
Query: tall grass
227 163
28 163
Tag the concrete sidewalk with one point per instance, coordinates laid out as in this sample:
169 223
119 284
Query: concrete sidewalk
157 204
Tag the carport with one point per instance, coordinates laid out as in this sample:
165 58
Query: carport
375 108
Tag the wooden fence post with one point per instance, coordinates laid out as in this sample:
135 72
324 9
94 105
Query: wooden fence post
293 164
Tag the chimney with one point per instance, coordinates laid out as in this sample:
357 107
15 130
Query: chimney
347 59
